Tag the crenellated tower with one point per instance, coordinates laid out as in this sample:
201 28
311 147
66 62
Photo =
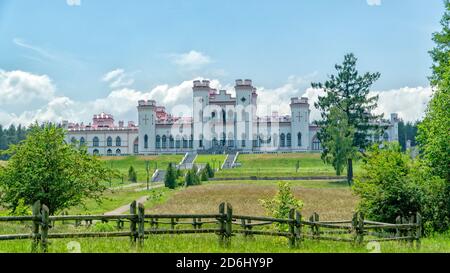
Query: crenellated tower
147 126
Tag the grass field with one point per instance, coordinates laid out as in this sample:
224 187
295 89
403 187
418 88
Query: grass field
216 160
122 164
281 165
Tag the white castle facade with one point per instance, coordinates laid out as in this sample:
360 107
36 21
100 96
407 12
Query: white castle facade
219 123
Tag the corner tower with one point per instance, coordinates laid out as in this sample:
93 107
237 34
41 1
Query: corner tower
300 123
201 90
246 113
147 126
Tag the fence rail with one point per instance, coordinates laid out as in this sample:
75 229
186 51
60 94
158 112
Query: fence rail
224 224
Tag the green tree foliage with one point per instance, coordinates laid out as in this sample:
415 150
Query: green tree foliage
204 175
191 178
433 135
132 176
10 136
407 131
349 91
393 185
44 167
339 143
209 170
170 180
280 205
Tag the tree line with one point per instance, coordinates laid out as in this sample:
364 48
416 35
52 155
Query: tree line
11 135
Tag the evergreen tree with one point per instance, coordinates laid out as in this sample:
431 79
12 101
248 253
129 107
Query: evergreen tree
132 176
348 91
170 180
433 135
209 170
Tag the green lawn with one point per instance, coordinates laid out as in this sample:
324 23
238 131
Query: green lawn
122 164
216 160
282 165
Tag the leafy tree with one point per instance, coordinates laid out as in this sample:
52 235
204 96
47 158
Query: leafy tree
280 205
407 131
349 92
132 176
44 167
393 185
433 135
171 177
339 143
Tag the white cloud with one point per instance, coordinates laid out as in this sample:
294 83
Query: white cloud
73 2
374 2
118 78
191 60
20 88
40 51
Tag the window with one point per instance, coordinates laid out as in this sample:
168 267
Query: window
200 142
158 142
191 142
386 137
118 152
213 114
164 142
171 142
109 152
95 152
146 142
283 140
136 146
178 143
185 142
223 140
109 141
316 144
243 140
95 142
299 139
118 142
230 140
82 141
289 140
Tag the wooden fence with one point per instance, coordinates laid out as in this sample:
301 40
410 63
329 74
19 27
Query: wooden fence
224 224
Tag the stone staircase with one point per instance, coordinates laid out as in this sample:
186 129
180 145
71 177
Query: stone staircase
229 161
159 176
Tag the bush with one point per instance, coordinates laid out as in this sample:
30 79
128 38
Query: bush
132 176
204 175
21 209
393 185
170 178
191 178
209 170
281 204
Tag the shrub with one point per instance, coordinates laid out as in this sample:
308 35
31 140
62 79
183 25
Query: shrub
393 185
280 205
191 178
209 170
132 176
170 178
21 209
204 175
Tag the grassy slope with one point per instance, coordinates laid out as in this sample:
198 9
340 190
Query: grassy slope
203 159
271 165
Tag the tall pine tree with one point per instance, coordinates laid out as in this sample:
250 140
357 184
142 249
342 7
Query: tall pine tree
349 92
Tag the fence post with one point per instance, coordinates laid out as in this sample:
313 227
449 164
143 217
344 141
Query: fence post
418 229
317 228
292 236
221 219
360 228
229 225
45 226
398 221
298 225
36 223
411 231
133 222
141 229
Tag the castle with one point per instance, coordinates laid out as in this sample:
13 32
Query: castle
219 123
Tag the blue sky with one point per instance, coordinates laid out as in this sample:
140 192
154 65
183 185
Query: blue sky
76 43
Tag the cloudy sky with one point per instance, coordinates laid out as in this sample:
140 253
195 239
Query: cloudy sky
70 59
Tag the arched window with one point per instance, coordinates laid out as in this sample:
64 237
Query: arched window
244 115
283 140
200 141
118 152
215 142
178 143
158 142
171 142
191 142
243 140
223 140
230 114
224 116
109 141
95 152
316 143
136 146
299 139
118 142
82 141
185 142
146 142
289 140
109 152
95 142
386 137
164 142
230 140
